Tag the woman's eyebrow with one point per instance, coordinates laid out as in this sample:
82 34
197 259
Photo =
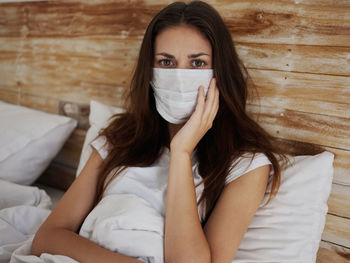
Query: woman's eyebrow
165 55
197 55
189 56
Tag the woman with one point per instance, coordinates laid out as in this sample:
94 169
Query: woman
187 102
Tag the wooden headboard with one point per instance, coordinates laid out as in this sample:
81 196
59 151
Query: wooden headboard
296 51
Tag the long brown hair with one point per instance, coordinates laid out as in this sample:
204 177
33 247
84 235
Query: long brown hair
136 137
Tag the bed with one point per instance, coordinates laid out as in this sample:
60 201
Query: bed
295 220
297 53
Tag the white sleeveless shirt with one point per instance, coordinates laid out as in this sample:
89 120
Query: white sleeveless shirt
150 183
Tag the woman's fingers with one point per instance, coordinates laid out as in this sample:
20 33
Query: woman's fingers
211 92
200 100
215 107
211 102
217 103
206 107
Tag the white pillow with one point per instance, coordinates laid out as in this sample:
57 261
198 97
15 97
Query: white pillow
29 140
98 118
12 194
289 228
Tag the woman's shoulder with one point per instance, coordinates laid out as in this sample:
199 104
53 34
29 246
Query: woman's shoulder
245 163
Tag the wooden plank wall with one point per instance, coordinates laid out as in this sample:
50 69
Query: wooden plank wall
297 52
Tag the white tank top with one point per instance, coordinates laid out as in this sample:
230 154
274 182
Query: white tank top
150 183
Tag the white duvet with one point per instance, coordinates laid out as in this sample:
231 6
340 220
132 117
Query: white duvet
127 224
123 223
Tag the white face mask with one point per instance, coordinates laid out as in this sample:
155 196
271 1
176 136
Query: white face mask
175 91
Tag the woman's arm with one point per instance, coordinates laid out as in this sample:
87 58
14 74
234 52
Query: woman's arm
185 240
225 228
184 237
58 234
233 212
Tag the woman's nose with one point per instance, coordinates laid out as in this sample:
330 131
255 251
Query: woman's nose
182 64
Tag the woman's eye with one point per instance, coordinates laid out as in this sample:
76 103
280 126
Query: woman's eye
198 63
165 62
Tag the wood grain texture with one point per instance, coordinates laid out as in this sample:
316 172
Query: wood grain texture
8 66
287 22
339 201
125 50
312 93
9 96
54 75
37 102
67 19
295 125
329 253
265 21
341 166
68 69
337 230
296 58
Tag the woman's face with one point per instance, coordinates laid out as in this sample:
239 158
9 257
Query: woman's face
182 47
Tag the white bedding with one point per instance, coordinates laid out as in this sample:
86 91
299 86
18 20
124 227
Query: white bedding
55 194
288 229
22 210
136 232
126 224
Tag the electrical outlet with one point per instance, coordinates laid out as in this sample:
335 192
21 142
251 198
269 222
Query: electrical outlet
77 111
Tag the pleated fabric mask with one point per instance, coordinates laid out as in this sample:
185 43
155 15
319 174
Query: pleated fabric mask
176 90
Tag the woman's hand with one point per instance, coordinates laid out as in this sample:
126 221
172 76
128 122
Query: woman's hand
183 231
200 121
